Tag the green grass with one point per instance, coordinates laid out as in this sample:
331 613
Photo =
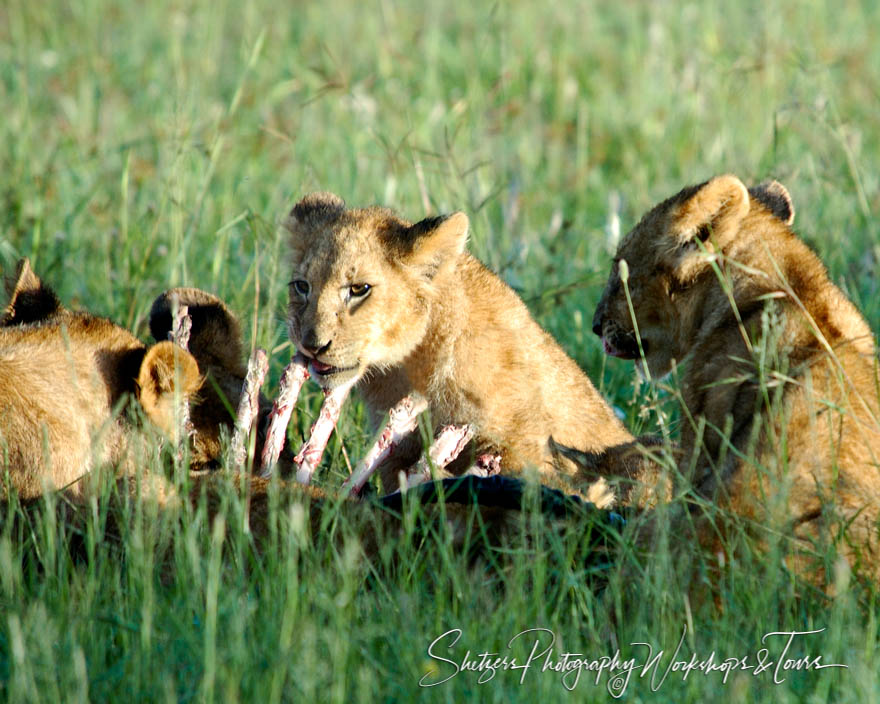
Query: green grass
145 145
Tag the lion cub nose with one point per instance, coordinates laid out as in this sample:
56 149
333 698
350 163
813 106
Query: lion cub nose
311 346
597 323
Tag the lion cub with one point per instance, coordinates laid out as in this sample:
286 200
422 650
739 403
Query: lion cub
403 307
781 421
66 378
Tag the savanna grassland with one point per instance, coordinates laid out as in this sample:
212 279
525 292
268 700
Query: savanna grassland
148 145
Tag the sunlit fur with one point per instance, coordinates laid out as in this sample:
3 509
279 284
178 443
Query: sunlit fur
67 380
781 373
437 322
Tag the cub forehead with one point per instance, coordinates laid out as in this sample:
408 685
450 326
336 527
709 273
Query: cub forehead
360 226
342 242
344 257
650 234
645 243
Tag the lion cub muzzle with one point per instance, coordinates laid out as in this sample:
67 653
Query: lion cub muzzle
616 340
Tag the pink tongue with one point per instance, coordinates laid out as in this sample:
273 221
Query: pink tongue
320 366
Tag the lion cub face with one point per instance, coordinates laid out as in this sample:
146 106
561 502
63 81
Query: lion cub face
669 261
362 283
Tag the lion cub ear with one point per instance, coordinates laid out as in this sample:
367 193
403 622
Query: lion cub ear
159 382
30 300
776 198
708 216
713 212
436 242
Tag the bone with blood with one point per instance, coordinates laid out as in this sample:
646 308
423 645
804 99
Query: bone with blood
292 380
309 456
402 420
248 406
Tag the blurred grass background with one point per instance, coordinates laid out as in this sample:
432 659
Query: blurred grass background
145 145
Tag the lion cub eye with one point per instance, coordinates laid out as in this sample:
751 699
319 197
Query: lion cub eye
301 287
359 290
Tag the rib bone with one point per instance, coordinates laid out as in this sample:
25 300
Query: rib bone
448 445
292 379
403 419
181 322
181 326
309 455
248 406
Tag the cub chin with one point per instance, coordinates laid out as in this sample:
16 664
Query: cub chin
780 414
401 308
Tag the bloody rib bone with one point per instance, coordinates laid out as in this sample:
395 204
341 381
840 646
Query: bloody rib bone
403 419
448 445
181 323
181 326
309 455
292 379
258 365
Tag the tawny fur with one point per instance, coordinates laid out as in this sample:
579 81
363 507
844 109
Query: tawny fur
435 321
67 379
797 452
60 392
632 472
